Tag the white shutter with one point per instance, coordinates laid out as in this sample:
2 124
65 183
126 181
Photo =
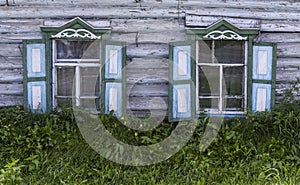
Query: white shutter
180 106
263 76
35 76
114 80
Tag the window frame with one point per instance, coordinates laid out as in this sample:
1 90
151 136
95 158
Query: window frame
220 109
76 63
223 30
68 31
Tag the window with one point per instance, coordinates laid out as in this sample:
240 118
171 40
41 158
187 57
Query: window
220 76
76 71
74 64
220 71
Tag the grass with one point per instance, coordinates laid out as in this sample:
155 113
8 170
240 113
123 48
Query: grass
49 149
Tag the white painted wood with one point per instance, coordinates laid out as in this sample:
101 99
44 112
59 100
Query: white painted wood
36 97
261 99
182 100
113 99
77 86
113 61
36 60
262 62
182 63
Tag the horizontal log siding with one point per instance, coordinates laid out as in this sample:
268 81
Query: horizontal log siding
147 27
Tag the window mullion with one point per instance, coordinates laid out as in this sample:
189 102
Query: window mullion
54 73
197 77
77 85
221 90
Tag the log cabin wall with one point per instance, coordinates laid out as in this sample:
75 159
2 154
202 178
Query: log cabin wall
148 26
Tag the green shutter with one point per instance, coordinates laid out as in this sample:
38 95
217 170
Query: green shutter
263 76
114 77
35 88
180 86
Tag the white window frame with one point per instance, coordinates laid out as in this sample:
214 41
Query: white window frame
220 98
77 63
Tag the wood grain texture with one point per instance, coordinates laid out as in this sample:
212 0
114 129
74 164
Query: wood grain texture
147 27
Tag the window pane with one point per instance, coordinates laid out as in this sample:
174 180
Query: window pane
209 78
234 80
90 103
76 49
209 103
205 52
233 104
65 77
230 52
90 81
64 102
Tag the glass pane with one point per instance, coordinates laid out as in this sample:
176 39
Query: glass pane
90 103
234 80
230 52
65 77
209 103
205 52
64 102
75 49
90 81
233 104
209 78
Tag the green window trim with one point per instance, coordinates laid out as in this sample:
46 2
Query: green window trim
223 30
75 29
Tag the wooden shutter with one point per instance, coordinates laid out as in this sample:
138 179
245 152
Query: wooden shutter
263 76
114 78
180 99
35 95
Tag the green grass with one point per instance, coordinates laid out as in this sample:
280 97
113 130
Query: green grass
49 149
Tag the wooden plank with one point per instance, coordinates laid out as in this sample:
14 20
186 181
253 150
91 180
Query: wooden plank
88 11
245 13
150 25
279 37
11 89
96 23
148 63
284 76
274 4
290 50
280 26
11 76
165 36
146 76
160 50
11 63
147 103
147 90
288 63
10 50
20 25
163 114
19 37
205 21
10 100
